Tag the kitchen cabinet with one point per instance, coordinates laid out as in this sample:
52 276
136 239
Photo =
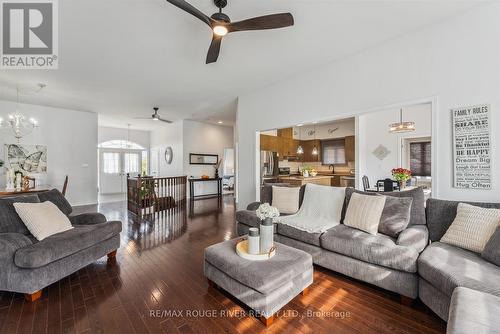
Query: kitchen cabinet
269 143
308 146
350 148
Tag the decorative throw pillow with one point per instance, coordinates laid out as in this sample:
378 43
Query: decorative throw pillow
56 197
286 199
364 212
417 215
472 228
396 215
43 219
491 251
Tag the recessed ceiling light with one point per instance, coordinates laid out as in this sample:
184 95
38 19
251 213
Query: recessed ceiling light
220 122
300 124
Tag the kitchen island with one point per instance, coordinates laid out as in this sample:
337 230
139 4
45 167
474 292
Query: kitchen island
298 180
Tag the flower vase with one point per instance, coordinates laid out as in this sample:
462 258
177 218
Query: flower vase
266 235
402 185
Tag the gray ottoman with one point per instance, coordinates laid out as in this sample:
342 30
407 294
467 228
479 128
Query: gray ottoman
474 312
264 286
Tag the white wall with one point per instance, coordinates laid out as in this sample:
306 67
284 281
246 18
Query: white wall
456 60
71 140
209 139
137 136
376 133
161 138
340 129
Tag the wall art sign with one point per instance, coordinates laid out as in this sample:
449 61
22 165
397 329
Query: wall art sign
472 147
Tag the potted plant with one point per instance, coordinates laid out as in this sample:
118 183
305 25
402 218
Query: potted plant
401 175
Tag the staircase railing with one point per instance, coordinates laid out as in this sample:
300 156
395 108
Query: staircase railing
147 195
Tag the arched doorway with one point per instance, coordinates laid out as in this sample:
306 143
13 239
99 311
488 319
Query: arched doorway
117 158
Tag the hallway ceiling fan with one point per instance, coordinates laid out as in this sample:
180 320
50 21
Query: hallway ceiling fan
155 117
221 24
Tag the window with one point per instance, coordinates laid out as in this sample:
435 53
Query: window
144 163
125 144
333 152
111 163
420 158
131 162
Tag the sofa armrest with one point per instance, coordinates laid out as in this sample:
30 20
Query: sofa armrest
9 244
88 219
253 206
416 237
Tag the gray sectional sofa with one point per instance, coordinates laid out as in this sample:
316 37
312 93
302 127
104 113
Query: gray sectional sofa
29 265
413 264
443 267
387 262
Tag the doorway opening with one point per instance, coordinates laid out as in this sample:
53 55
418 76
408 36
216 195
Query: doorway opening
116 159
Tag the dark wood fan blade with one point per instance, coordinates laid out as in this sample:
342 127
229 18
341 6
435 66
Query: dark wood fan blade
213 51
272 21
191 10
164 120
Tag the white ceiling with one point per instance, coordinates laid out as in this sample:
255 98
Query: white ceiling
120 58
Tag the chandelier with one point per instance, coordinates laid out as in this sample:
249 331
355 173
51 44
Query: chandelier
401 126
19 124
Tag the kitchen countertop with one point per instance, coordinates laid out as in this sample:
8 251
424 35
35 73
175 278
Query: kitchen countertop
317 177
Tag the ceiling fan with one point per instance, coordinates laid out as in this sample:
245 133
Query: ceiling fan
221 25
155 116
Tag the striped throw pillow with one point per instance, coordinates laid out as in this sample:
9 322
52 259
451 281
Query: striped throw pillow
472 228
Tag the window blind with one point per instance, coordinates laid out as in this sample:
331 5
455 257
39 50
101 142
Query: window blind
333 152
420 158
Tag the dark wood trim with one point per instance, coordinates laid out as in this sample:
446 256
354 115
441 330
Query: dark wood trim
112 255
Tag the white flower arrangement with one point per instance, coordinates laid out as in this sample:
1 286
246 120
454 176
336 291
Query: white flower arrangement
267 211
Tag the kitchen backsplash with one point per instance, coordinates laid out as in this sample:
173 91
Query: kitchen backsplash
294 166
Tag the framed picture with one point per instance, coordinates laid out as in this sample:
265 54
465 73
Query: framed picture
472 147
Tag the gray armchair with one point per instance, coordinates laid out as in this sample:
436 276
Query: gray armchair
29 265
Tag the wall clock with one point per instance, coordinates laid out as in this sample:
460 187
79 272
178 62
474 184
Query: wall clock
169 154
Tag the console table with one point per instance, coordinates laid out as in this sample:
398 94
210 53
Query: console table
192 181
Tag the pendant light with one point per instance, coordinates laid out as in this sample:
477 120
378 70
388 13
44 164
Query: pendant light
315 149
300 150
401 126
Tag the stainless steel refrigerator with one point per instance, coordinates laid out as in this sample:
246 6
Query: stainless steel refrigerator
269 167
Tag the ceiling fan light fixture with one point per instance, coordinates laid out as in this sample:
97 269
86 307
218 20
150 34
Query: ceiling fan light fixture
220 30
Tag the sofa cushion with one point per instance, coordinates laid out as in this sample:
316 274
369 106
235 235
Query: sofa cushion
448 267
377 249
56 197
10 222
300 235
440 214
417 212
491 252
64 244
473 312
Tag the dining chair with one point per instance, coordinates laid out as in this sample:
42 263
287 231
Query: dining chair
65 186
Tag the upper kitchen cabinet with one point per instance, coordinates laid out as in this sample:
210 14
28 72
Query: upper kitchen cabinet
269 143
350 148
308 146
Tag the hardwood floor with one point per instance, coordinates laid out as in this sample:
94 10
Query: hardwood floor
156 285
